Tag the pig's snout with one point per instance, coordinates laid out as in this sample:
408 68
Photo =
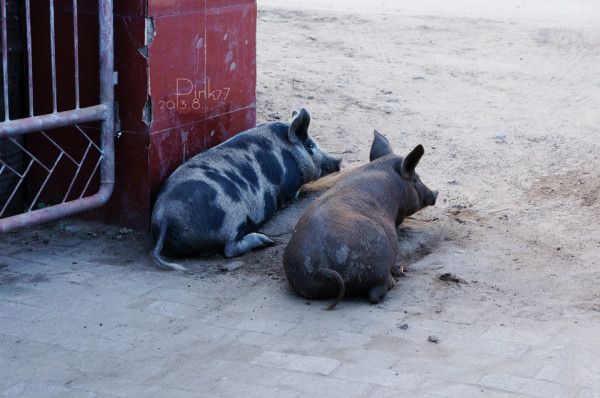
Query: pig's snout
433 198
337 162
331 165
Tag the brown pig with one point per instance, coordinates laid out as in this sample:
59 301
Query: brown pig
346 241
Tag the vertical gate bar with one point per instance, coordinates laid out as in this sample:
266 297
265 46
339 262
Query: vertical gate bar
107 82
5 62
29 63
53 55
76 53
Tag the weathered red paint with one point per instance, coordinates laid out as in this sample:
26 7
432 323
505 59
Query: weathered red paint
185 46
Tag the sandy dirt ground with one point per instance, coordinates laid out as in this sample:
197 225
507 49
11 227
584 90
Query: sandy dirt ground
509 114
505 99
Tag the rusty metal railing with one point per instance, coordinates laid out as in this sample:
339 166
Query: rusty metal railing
103 113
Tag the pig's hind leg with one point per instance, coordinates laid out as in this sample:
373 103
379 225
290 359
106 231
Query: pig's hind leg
377 293
248 243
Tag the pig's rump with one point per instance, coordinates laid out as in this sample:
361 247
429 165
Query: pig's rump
356 247
196 222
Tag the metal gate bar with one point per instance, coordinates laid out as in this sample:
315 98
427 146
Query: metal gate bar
5 61
104 112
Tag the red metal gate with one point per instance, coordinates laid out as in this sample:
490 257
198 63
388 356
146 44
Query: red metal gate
37 165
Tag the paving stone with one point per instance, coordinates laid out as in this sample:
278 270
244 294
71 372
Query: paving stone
278 343
433 368
67 335
231 388
545 355
588 392
343 339
192 296
195 373
522 385
527 337
10 310
469 390
173 309
235 351
486 348
27 389
570 375
377 376
389 343
123 387
303 363
268 326
365 357
387 392
312 384
80 393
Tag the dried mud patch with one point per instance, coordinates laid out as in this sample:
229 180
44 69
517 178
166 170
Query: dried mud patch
583 186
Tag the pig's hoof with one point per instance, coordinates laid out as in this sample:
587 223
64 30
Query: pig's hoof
391 281
398 270
267 242
247 244
376 294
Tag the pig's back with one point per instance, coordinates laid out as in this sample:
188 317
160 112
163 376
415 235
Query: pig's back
225 192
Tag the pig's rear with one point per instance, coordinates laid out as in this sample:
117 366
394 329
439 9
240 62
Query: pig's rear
346 257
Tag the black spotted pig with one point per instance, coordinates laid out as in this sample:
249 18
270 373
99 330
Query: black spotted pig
217 199
346 241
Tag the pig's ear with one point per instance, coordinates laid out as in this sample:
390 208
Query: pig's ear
380 147
411 160
299 126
